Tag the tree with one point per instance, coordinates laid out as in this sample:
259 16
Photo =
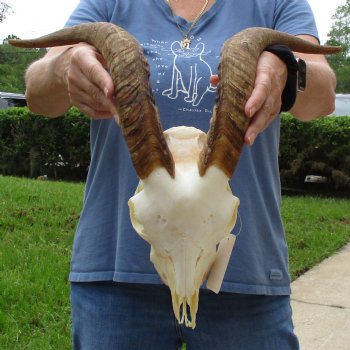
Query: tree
5 9
340 31
340 35
13 64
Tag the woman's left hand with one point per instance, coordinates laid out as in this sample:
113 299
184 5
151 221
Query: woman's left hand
265 101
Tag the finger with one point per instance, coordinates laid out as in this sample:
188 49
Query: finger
90 70
257 124
94 109
109 87
82 91
91 63
92 113
261 120
259 95
214 79
97 75
82 99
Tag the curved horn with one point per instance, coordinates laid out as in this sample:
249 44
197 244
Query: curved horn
237 71
139 117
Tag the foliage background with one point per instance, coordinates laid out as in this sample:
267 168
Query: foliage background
60 148
31 145
13 64
320 147
14 61
5 9
340 35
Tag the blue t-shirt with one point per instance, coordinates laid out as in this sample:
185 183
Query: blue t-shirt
106 247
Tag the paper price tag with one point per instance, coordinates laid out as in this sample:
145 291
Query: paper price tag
217 272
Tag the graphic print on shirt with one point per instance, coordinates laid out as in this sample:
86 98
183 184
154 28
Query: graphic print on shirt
190 74
182 74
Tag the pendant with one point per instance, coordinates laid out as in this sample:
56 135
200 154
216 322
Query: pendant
185 43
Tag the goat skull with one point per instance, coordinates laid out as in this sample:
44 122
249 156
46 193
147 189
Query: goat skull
185 229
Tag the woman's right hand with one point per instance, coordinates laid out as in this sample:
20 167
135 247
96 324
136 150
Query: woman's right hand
71 75
89 85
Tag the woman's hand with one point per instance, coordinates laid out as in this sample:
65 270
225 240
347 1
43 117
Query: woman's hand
69 76
89 86
265 101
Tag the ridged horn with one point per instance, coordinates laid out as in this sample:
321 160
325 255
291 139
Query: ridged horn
237 71
139 117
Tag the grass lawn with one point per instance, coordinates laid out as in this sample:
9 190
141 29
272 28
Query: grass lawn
37 222
315 229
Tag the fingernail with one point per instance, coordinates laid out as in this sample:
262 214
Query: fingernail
252 111
105 90
251 138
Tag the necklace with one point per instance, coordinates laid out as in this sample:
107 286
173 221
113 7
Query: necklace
186 41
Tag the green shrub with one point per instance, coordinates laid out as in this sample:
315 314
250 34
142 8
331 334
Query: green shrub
32 146
320 147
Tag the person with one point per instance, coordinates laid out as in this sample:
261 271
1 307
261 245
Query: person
117 298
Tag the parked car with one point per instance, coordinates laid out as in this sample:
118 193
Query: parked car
342 108
342 105
10 99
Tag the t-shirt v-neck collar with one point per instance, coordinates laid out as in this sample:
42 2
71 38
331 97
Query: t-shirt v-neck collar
182 21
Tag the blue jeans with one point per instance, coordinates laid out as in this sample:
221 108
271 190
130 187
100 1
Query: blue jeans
122 316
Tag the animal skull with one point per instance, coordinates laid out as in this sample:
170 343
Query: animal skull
183 206
184 219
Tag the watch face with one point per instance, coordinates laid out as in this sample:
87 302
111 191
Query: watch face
301 75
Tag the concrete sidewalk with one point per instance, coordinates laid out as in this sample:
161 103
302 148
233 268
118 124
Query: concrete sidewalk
321 304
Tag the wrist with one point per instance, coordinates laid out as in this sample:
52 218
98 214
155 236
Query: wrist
46 87
60 65
289 93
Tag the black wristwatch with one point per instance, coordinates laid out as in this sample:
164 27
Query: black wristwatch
296 80
301 74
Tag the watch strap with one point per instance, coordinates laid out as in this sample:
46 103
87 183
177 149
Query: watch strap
289 93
